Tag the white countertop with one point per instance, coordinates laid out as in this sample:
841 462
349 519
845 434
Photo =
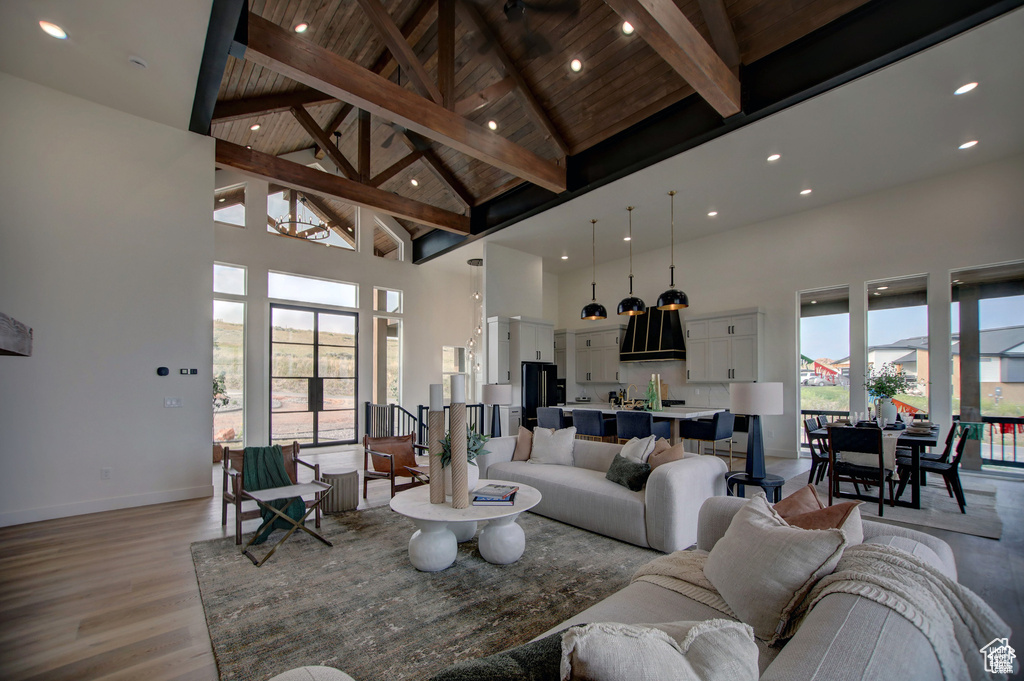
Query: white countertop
668 412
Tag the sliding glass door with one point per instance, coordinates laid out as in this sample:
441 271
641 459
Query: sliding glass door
313 375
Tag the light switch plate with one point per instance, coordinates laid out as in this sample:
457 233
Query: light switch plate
172 402
183 372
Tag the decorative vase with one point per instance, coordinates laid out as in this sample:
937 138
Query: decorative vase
884 408
473 475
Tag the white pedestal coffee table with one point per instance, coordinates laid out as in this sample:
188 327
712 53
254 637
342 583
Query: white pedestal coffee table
434 545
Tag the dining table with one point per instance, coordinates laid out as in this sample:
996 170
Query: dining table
915 441
672 414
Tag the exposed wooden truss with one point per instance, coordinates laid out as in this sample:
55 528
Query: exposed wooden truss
438 168
275 48
337 224
399 48
395 168
722 34
305 179
237 109
666 29
321 137
446 52
489 95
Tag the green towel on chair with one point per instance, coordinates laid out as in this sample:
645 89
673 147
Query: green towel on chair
263 468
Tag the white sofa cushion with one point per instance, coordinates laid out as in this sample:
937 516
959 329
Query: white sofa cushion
763 568
553 446
638 448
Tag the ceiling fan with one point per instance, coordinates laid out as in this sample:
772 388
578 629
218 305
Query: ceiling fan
518 12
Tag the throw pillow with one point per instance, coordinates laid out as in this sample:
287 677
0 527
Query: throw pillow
715 650
553 446
534 661
399 447
629 473
763 568
805 509
524 445
673 453
660 445
638 448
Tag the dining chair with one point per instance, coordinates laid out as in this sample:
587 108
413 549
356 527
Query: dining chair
591 424
949 470
819 459
857 455
550 417
713 430
630 424
947 449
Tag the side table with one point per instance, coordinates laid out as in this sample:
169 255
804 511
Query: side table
771 484
344 494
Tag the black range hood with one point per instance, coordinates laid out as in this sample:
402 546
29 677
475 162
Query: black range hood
655 336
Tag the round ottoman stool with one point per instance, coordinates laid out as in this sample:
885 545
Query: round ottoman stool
344 494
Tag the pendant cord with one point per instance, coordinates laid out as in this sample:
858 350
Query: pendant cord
672 250
630 209
593 253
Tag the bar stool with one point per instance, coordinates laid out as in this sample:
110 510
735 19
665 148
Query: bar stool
718 428
591 424
550 417
630 424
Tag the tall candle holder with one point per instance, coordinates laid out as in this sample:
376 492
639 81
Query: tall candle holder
457 428
435 433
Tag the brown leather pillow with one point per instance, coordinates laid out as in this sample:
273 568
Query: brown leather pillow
804 509
524 445
400 447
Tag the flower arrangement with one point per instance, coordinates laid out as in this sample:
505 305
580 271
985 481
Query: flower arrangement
474 447
887 381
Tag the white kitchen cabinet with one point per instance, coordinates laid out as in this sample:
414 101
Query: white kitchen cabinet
498 342
532 340
724 348
597 355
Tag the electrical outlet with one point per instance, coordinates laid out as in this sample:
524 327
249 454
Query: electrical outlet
193 371
769 433
172 402
183 372
104 474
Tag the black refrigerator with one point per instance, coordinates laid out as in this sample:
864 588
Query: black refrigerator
540 389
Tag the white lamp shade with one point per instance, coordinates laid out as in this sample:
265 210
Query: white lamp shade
498 393
761 399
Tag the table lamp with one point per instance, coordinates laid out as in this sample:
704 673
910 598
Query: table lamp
498 395
755 400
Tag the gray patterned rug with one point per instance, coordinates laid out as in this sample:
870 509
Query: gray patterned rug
362 608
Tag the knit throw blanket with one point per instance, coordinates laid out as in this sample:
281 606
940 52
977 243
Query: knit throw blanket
263 468
953 618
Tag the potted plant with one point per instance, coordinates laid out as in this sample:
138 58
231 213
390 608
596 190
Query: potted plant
883 384
474 448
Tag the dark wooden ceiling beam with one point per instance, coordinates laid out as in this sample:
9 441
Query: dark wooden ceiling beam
320 136
399 48
666 29
471 16
395 168
305 179
489 95
413 29
225 198
237 109
446 52
363 144
339 118
338 225
722 34
438 169
281 51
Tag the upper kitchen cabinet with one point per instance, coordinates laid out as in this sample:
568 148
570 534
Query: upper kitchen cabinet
511 341
597 355
724 348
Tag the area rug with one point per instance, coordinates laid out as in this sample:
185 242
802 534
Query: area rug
362 608
938 509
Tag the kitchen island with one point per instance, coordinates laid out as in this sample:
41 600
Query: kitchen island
672 414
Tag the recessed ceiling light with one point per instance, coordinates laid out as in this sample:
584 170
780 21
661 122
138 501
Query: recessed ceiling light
414 182
254 126
627 28
248 146
712 213
626 238
301 28
876 293
53 30
883 288
565 257
957 281
963 89
492 125
805 192
814 302
968 145
221 200
576 65
774 157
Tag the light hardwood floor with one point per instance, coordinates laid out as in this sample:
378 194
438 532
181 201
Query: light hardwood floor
113 596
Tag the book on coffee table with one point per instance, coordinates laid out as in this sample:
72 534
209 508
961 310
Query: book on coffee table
490 501
493 491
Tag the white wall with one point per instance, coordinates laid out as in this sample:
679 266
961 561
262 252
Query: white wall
437 305
931 227
106 247
513 283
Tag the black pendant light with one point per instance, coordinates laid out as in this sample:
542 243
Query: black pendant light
632 305
673 299
593 309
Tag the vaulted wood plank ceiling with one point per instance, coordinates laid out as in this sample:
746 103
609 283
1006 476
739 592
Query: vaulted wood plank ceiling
623 81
